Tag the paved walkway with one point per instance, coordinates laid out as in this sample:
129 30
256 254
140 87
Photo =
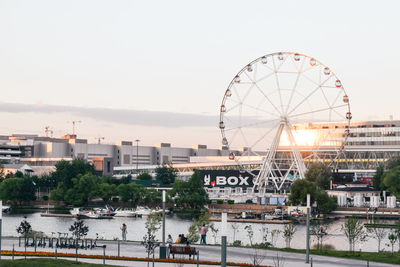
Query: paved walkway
212 253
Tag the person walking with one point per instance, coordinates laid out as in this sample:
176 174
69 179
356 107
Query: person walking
203 233
169 243
124 230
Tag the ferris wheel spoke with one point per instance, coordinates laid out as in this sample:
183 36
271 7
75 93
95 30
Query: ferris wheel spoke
262 92
326 99
308 96
337 97
236 93
247 93
267 98
264 135
340 115
252 124
265 77
244 138
277 82
237 104
295 84
317 111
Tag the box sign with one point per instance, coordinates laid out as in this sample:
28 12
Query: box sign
226 178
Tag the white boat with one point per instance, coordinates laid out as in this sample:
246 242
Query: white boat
125 212
143 211
6 209
90 214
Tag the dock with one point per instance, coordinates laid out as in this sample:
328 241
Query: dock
252 220
57 215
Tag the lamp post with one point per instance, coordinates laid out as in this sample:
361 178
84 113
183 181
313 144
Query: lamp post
163 248
224 224
137 156
1 221
308 230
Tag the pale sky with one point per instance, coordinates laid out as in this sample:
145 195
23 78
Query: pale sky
163 66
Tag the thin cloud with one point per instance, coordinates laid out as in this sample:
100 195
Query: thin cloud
124 116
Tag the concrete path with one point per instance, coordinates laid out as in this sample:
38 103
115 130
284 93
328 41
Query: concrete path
212 253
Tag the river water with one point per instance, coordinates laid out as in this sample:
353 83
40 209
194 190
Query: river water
110 229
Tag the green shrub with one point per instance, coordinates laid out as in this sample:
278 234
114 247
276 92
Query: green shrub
231 201
220 201
237 243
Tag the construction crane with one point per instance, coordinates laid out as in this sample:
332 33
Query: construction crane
73 127
99 140
46 130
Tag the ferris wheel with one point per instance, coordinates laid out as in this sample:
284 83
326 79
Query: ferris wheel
275 107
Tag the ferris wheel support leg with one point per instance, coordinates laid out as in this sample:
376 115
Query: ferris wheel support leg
266 172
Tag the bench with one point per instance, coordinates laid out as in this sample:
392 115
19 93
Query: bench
183 250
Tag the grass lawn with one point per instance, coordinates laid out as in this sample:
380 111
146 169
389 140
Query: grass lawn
46 263
384 257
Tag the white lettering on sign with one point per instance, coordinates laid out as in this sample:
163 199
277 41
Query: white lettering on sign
243 180
233 180
207 179
221 180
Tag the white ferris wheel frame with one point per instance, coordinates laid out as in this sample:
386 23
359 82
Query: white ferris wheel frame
270 169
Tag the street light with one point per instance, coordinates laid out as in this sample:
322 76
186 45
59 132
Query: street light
163 248
1 219
137 156
308 230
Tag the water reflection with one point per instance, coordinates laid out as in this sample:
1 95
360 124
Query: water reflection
175 225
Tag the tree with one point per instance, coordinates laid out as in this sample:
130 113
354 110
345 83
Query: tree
150 243
107 191
24 229
66 171
393 163
10 190
392 239
191 193
288 233
144 176
166 174
131 192
17 189
319 232
391 181
320 174
264 234
235 227
354 231
397 232
193 235
1 171
378 181
325 203
298 195
194 229
78 230
250 233
299 190
257 257
152 196
377 232
214 232
153 222
85 187
274 236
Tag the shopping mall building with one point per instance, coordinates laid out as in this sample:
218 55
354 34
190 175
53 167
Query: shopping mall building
368 144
